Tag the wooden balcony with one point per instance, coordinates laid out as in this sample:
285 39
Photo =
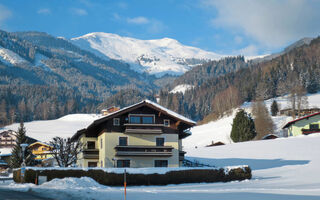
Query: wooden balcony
90 153
181 155
140 150
309 131
144 128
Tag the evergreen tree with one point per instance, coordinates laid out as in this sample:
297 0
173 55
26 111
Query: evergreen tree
274 108
16 158
242 127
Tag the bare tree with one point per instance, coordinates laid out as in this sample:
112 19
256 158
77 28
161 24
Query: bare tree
65 151
262 120
298 100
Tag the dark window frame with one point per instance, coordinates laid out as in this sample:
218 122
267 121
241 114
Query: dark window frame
161 163
314 126
141 119
123 163
121 143
91 145
164 122
116 121
160 143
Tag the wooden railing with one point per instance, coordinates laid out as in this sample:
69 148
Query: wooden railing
141 150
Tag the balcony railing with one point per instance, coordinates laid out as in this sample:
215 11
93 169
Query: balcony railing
181 155
137 150
90 153
309 131
144 128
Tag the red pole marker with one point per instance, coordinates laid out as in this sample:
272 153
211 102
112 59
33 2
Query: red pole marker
125 185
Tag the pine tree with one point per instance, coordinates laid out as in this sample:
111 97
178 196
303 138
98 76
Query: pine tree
16 158
274 108
243 127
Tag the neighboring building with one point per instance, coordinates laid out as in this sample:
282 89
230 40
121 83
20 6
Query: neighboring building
269 137
7 139
142 135
288 111
41 150
109 110
304 125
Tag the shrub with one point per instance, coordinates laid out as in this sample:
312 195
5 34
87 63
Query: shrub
113 179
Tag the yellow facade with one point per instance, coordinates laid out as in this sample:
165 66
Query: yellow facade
41 151
296 128
84 162
107 141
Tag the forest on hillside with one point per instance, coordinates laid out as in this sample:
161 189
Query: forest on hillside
298 67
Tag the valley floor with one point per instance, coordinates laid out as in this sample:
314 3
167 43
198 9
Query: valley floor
284 168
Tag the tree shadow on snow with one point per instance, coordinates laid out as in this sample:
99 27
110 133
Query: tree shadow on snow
254 164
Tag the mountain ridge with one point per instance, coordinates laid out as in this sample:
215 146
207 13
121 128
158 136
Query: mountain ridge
157 56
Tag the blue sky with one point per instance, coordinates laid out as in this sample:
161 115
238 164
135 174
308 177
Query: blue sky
233 27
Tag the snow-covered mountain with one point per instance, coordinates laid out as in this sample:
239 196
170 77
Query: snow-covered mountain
159 57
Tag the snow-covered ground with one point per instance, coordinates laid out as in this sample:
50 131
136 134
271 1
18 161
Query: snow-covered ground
219 131
181 88
45 130
283 169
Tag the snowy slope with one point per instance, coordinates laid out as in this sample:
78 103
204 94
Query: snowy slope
9 57
158 57
64 127
220 130
282 169
181 88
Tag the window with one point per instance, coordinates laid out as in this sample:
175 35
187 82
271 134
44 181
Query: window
314 126
91 145
123 141
116 121
147 120
101 143
123 163
135 119
166 122
92 164
161 163
160 141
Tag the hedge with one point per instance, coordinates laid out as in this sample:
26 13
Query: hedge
116 179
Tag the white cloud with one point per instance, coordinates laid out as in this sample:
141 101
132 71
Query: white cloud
138 20
44 11
238 39
5 13
79 11
156 26
250 50
272 23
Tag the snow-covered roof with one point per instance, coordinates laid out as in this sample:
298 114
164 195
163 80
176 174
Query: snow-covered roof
305 117
167 111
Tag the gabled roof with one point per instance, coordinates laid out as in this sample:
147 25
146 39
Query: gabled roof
135 106
305 117
145 102
41 143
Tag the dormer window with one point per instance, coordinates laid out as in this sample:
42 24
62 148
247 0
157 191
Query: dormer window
166 123
116 121
141 119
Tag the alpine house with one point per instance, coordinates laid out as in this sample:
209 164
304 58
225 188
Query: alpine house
141 135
